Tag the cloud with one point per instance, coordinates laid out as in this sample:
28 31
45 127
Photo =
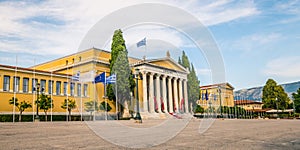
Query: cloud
255 41
56 27
284 67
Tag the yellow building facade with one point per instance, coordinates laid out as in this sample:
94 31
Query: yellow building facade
216 95
162 88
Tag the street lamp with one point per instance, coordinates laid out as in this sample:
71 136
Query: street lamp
277 107
138 115
37 118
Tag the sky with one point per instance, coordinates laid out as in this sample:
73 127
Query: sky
257 39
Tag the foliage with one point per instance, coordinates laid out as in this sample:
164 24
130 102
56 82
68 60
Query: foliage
91 106
193 82
271 92
296 98
69 104
103 106
119 65
45 103
198 109
21 106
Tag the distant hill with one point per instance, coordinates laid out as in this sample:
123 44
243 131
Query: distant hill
256 92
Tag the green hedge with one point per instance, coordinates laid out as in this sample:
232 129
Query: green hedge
29 118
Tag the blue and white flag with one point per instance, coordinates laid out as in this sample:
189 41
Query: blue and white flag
111 79
141 43
100 78
76 77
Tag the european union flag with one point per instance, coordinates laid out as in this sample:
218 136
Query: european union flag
141 43
206 95
100 78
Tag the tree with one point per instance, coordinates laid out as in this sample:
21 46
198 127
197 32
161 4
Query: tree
69 104
103 106
296 98
91 106
271 92
21 106
45 103
193 82
119 65
179 60
198 109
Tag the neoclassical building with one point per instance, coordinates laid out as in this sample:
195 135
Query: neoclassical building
162 88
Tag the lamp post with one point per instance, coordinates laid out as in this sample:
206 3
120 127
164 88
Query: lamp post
294 108
277 107
138 115
37 118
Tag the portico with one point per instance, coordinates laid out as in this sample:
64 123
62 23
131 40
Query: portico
164 88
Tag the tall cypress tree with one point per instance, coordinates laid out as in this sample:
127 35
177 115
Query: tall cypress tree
119 65
193 82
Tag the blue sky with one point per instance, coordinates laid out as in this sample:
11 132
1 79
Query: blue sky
258 39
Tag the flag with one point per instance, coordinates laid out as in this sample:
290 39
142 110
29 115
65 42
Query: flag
111 79
155 103
181 105
100 78
87 76
206 95
203 96
75 77
141 43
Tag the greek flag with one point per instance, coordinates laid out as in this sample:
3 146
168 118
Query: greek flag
141 43
111 79
76 77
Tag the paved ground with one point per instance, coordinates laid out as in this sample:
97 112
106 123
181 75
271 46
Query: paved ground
223 134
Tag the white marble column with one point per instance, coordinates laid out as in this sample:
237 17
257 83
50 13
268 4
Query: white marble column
151 94
180 94
145 97
158 97
186 103
164 94
170 95
176 96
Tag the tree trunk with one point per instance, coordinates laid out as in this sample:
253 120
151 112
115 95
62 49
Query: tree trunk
20 116
69 114
46 117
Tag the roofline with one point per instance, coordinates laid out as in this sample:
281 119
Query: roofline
218 84
168 58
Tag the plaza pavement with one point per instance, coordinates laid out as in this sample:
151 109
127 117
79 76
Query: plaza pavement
223 134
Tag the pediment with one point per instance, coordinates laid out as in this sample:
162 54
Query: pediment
167 63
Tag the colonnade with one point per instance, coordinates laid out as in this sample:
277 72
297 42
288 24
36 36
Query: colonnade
164 93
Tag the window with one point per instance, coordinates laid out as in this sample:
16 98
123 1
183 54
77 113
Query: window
72 86
50 86
85 86
25 85
78 89
65 88
34 82
58 87
43 85
16 84
6 83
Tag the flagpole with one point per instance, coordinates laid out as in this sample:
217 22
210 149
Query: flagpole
15 84
67 94
117 97
105 96
81 84
33 95
94 101
51 97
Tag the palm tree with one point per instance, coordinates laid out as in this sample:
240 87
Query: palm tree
69 104
46 103
21 106
91 106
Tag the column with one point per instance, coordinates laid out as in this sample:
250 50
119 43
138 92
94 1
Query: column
180 95
145 97
164 94
176 96
170 95
186 103
151 94
158 97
